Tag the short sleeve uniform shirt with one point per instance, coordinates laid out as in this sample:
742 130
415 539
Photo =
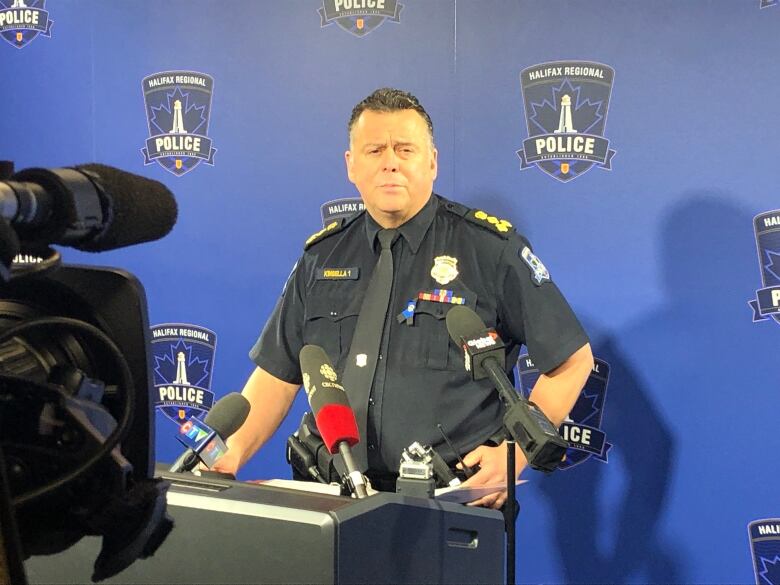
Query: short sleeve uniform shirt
445 255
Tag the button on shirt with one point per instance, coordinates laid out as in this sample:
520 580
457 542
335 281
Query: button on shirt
420 380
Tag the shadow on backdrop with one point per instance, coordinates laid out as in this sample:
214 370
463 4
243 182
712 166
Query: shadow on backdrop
656 375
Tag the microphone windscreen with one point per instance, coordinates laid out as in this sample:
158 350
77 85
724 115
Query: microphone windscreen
141 209
337 424
463 322
228 414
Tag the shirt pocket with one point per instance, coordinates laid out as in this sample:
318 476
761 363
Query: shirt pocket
435 348
330 323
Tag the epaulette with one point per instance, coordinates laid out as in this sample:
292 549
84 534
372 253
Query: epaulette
490 222
454 207
333 227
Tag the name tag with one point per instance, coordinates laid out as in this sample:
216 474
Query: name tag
350 273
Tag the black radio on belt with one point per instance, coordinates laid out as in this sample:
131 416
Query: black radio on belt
484 357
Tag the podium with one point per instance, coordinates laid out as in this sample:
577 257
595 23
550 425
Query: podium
233 532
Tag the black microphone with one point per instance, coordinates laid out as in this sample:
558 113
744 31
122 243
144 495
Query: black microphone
484 358
225 418
90 207
334 416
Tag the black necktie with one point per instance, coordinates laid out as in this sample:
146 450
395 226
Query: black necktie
364 351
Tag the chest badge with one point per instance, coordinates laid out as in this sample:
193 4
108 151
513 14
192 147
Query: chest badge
445 269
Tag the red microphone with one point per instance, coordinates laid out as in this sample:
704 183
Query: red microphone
334 416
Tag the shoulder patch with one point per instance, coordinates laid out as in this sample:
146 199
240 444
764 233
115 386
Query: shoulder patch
540 274
490 222
332 228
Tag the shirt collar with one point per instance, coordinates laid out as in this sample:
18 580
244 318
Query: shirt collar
413 230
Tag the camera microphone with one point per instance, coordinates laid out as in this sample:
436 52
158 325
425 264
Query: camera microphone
89 207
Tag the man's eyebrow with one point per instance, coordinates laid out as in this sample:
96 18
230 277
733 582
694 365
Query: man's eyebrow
401 143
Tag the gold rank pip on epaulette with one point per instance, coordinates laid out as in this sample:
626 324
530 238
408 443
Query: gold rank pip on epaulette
491 222
329 229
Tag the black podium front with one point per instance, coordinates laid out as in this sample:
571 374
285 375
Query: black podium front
233 532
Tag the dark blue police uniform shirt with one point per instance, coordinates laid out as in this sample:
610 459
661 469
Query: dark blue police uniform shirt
420 379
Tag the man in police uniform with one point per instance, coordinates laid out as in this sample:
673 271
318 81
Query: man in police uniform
445 254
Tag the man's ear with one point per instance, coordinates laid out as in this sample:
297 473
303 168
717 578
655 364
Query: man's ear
348 161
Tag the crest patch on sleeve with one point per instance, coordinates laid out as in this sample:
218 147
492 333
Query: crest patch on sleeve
540 275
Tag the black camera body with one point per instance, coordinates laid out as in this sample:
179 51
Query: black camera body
110 299
76 427
63 392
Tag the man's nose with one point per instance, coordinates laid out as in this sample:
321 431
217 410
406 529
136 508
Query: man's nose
389 160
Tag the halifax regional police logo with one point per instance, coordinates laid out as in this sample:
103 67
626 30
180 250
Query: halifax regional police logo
359 17
582 429
765 546
340 208
183 358
767 302
566 105
178 106
23 20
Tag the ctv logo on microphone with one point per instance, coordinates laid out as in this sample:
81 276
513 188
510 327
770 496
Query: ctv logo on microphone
23 20
201 438
194 432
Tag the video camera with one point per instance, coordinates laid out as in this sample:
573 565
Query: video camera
76 432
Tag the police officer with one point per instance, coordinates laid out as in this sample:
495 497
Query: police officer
443 254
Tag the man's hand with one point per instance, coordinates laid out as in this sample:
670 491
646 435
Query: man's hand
492 463
228 463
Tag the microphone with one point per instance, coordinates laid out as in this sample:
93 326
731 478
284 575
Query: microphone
205 438
334 416
90 207
484 358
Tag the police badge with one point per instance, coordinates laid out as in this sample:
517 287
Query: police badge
765 548
183 356
566 106
445 269
766 227
178 106
359 17
582 429
23 20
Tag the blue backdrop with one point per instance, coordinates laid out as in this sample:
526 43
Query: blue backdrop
657 255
